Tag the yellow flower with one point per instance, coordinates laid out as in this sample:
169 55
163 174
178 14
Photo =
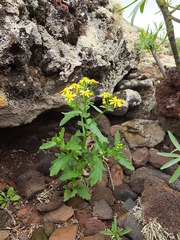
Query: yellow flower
75 86
106 95
116 102
2 100
86 93
70 96
104 101
64 91
93 81
84 80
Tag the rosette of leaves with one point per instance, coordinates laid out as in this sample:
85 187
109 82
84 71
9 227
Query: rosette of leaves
6 199
115 232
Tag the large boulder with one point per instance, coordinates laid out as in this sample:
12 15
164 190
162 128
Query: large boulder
44 46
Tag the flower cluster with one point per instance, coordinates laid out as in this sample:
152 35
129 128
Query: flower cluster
110 100
75 91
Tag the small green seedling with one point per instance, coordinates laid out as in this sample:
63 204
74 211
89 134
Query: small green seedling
6 199
115 232
175 156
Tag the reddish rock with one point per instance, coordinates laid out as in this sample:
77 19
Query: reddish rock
156 160
63 233
31 183
140 157
59 215
42 207
162 203
48 228
97 236
93 226
104 181
114 129
103 193
75 202
83 213
117 175
29 215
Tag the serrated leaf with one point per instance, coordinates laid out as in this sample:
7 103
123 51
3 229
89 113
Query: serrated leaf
174 140
92 126
175 175
68 175
15 198
10 191
69 115
97 170
69 194
47 145
59 164
73 144
170 163
122 160
83 192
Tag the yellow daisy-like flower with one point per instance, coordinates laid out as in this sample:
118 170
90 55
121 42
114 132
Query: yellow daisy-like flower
116 102
75 86
93 81
106 95
86 93
70 96
84 80
64 91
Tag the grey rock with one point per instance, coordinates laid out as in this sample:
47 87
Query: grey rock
136 84
129 204
102 210
142 132
124 192
131 222
45 163
39 55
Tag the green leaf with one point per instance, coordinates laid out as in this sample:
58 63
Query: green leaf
83 192
121 9
3 205
68 175
107 232
122 160
96 108
174 140
164 154
1 198
15 198
2 194
10 191
59 164
97 170
117 139
170 163
69 194
69 115
92 126
47 145
125 231
73 144
135 10
175 175
142 6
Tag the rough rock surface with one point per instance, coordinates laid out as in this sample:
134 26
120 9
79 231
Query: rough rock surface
162 203
44 46
141 133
